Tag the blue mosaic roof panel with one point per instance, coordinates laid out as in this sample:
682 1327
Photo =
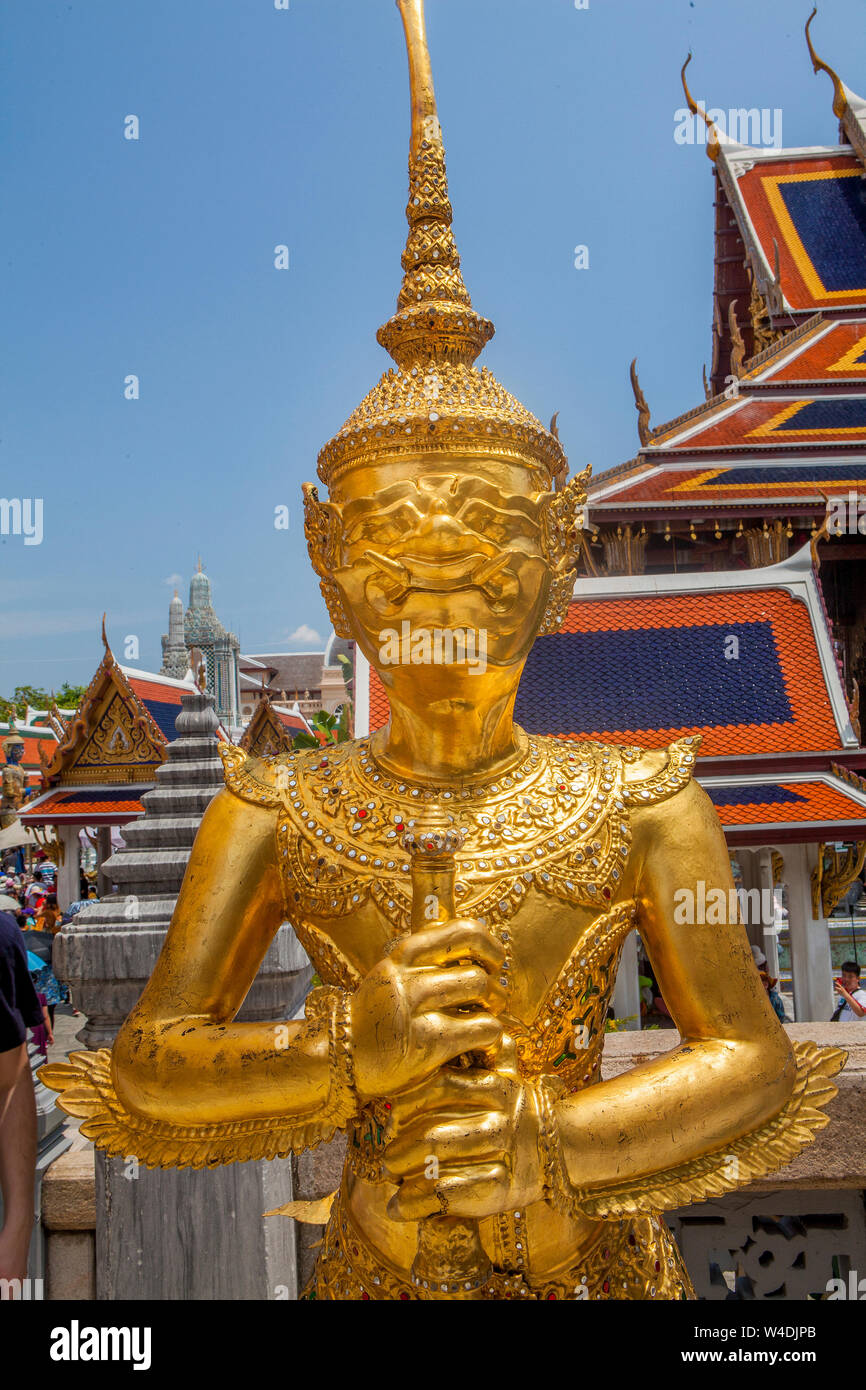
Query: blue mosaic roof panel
830 217
770 795
797 473
164 715
833 413
674 678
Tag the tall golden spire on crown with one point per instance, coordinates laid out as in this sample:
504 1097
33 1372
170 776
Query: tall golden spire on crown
436 401
435 320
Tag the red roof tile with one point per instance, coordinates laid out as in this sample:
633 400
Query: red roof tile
812 801
83 804
838 355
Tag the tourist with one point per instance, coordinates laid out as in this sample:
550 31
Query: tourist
770 982
51 992
43 1032
35 892
19 1010
48 916
853 1004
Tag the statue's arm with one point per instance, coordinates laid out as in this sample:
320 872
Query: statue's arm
734 1069
180 1057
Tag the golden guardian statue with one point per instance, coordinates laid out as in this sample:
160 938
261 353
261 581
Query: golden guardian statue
462 888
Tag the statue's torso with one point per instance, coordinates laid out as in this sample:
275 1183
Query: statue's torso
545 865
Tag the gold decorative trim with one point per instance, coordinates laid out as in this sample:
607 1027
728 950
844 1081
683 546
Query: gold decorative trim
741 1161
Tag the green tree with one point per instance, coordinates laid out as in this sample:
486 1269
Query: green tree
334 727
67 697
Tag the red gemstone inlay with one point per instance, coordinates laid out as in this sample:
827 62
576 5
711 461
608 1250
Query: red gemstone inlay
551 1298
399 825
387 1105
365 1296
605 1288
361 814
405 1297
605 892
657 1266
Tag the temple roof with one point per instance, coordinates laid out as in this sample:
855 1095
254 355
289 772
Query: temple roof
121 729
85 806
829 807
809 204
793 432
160 695
291 670
272 729
788 374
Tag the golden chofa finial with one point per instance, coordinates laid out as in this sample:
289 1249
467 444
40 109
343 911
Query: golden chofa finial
645 434
435 321
840 100
714 144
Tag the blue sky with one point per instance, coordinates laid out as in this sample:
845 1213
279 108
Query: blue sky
261 127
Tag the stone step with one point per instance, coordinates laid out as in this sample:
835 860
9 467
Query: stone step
177 801
167 830
199 773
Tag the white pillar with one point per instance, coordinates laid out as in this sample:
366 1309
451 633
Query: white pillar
626 994
69 872
810 940
770 934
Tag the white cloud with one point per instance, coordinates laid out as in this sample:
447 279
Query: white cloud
306 636
174 581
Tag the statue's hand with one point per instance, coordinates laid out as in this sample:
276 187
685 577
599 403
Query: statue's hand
434 998
466 1144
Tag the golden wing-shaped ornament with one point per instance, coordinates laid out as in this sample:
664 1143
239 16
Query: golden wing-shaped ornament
742 1161
87 1090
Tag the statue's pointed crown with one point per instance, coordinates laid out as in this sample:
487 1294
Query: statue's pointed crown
436 400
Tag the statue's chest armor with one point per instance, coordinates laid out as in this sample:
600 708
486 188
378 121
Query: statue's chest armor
543 864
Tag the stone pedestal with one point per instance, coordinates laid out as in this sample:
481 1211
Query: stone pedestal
179 1234
106 954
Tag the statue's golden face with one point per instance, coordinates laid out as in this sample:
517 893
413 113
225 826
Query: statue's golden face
442 551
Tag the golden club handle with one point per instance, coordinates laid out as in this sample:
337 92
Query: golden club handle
450 1256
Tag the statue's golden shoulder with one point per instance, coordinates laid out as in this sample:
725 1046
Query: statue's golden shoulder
651 775
268 781
656 774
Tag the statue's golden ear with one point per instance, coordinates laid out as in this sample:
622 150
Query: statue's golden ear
562 523
322 530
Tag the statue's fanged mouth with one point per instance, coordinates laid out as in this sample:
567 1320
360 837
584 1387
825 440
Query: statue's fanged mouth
394 580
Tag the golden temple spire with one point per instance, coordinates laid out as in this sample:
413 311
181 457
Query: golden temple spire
840 99
435 320
714 144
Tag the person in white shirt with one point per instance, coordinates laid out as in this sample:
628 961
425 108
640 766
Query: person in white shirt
853 1004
